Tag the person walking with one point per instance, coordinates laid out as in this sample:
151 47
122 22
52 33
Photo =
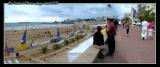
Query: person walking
150 29
144 29
127 26
123 23
111 32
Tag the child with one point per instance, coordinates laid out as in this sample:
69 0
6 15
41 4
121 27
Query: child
98 40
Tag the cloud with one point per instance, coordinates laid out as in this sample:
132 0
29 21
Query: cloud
62 11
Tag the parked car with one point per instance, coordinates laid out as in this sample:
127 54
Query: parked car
138 24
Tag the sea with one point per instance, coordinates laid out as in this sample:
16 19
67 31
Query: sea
23 26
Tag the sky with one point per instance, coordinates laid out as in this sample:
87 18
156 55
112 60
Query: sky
61 11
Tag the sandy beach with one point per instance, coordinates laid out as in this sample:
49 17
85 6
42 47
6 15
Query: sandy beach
13 38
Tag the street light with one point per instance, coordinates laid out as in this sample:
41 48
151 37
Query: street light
109 7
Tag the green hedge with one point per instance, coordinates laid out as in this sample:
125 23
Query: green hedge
58 46
66 42
44 49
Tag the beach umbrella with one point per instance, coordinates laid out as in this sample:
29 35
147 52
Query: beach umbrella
23 39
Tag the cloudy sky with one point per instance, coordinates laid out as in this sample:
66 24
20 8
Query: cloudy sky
62 11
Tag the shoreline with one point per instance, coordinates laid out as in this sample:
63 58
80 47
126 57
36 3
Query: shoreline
38 26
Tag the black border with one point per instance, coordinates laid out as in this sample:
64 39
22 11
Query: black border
88 1
157 33
1 23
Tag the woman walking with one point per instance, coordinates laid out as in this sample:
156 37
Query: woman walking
150 30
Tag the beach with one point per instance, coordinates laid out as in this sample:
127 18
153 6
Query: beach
13 38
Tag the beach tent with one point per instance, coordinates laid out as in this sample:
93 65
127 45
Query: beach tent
59 42
23 44
55 40
11 50
22 47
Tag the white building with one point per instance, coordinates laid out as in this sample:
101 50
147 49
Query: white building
101 18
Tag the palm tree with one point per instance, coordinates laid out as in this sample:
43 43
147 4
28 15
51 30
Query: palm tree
127 18
145 14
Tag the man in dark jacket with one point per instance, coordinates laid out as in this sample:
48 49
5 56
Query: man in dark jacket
98 37
99 41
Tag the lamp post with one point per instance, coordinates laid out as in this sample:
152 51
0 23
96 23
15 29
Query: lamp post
110 9
132 10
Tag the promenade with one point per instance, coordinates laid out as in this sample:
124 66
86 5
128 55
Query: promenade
131 49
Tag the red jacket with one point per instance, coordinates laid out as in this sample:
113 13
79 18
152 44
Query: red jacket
112 30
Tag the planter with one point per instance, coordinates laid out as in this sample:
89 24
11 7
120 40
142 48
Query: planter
73 40
66 42
57 46
44 49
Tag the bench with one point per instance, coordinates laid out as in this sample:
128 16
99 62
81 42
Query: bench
88 56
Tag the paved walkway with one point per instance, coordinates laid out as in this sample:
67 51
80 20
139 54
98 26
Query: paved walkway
131 49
